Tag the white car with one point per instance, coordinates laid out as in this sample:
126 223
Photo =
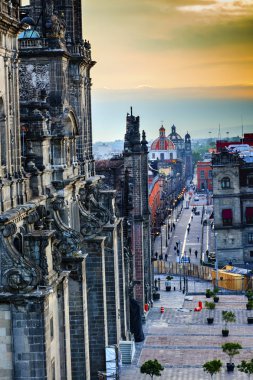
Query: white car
196 199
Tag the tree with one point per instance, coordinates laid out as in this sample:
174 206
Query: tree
231 349
212 367
152 368
228 317
246 367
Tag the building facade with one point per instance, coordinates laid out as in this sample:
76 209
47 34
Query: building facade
233 207
204 176
63 264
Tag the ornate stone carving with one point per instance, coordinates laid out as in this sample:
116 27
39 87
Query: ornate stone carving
9 230
57 259
22 274
33 79
69 240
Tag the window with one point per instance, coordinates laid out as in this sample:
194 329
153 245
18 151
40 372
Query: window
162 156
250 180
251 253
249 215
227 217
202 174
250 238
153 155
210 174
52 328
225 183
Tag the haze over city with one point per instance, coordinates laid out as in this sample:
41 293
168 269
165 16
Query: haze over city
187 63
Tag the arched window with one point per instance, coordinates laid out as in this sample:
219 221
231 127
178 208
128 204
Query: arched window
225 183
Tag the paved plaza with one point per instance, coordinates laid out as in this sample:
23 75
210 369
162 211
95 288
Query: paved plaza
181 340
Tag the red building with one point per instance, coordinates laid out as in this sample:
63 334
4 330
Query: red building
247 139
154 201
204 175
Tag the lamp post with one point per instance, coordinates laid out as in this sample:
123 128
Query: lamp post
166 233
216 260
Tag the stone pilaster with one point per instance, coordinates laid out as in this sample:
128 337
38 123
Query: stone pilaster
97 306
123 268
112 284
78 318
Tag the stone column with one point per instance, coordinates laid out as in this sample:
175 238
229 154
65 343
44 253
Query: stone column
112 284
78 318
123 267
97 309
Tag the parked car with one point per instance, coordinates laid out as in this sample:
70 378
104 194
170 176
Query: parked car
196 198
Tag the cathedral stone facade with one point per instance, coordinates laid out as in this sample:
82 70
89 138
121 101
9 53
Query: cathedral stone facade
64 270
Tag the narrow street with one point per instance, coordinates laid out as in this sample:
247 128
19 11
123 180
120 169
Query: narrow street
191 237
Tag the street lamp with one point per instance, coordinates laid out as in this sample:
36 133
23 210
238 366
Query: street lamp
216 260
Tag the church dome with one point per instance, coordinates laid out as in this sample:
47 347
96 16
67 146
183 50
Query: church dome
29 33
162 142
174 135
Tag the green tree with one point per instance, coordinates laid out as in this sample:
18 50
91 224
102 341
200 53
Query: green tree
231 349
212 367
152 368
228 317
246 367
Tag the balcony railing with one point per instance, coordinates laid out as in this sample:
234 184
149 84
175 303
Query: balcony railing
75 50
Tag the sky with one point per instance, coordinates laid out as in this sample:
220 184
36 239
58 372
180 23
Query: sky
182 62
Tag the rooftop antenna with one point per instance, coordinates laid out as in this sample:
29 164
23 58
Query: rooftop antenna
131 109
242 129
219 134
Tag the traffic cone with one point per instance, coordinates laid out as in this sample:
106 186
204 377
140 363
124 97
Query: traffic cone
162 309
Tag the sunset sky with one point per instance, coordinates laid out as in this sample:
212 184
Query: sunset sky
175 61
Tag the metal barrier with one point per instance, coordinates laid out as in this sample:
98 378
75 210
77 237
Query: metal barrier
235 283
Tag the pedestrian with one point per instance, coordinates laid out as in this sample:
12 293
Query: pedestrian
173 225
177 244
198 239
196 253
178 252
156 255
166 257
191 217
190 251
175 248
188 229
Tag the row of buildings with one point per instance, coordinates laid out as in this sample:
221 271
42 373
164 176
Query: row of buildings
170 169
75 254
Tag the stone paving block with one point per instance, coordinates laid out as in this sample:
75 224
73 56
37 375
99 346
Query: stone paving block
183 341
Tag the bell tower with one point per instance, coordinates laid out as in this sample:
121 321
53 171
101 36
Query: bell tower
55 88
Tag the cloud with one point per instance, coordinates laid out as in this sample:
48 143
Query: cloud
222 7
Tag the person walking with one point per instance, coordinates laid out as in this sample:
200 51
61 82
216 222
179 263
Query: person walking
196 253
190 251
156 255
198 239
166 257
